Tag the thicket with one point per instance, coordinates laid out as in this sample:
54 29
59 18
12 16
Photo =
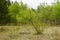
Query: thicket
20 13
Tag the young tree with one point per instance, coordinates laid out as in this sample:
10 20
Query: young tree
55 16
14 11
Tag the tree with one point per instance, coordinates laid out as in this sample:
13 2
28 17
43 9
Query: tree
55 16
25 14
3 12
14 11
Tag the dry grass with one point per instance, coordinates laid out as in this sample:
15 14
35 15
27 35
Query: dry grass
27 33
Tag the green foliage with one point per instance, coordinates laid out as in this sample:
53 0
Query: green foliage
3 12
21 13
13 11
55 15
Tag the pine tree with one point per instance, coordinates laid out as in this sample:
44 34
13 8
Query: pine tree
3 11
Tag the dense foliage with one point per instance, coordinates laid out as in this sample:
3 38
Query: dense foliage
4 11
22 14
